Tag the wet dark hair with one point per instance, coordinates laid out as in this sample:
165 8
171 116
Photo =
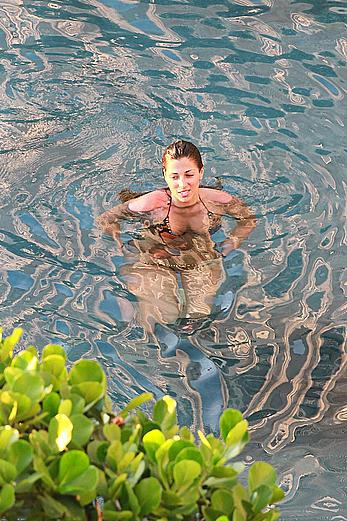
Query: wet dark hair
181 148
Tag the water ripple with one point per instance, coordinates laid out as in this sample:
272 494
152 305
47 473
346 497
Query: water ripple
90 93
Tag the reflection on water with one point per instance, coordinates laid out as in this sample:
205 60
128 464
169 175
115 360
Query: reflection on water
91 91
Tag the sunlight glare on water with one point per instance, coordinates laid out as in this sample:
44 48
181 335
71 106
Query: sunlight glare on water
91 93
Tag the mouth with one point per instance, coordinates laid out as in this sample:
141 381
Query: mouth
184 193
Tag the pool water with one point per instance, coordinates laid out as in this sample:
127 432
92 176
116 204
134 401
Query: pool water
91 93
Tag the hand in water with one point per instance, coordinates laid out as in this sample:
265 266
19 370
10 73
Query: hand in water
227 246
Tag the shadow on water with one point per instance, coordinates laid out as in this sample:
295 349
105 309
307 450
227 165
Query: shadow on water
91 93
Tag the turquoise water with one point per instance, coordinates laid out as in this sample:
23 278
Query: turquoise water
91 92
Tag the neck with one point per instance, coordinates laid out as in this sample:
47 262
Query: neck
182 205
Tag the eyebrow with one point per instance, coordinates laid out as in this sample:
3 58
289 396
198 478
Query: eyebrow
186 172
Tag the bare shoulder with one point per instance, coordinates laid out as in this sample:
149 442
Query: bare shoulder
148 202
227 204
217 196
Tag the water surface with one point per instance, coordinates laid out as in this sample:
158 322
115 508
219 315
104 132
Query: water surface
91 92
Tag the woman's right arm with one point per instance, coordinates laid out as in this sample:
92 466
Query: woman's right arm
109 221
134 209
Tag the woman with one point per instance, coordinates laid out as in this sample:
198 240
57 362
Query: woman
175 247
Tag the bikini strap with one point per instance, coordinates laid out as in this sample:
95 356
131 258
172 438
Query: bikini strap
166 221
209 213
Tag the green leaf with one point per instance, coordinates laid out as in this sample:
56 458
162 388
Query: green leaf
87 497
224 472
211 514
184 473
136 402
236 439
185 434
41 469
71 465
229 419
170 499
277 495
10 374
53 349
222 518
114 454
148 493
220 482
239 515
237 433
128 499
40 444
83 428
8 435
82 484
78 403
190 453
112 432
116 485
85 371
20 454
55 365
111 514
221 477
20 406
50 405
164 413
125 461
261 498
7 497
204 440
136 474
91 392
60 432
25 485
9 343
261 473
222 500
97 451
29 384
152 441
8 472
177 446
101 488
26 361
53 508
65 407
240 495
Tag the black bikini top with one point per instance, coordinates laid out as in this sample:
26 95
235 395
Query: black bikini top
164 226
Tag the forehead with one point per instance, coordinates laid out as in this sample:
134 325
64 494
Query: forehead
180 165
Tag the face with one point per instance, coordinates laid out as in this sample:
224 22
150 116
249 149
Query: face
183 179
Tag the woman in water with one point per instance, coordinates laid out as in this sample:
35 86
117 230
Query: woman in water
175 247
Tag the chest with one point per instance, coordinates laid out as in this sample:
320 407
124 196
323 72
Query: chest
182 220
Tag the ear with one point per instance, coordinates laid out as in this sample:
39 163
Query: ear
201 173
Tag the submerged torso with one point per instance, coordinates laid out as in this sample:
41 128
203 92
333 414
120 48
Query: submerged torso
176 237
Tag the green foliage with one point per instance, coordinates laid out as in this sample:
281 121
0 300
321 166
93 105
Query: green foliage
62 446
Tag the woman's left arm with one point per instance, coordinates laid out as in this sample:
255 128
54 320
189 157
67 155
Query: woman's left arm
244 216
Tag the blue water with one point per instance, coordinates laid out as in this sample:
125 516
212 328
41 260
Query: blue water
91 92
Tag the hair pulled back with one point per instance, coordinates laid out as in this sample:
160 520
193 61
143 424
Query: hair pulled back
181 148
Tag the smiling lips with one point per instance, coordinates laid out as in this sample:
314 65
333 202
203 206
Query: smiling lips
184 193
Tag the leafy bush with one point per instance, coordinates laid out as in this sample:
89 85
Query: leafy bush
62 446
